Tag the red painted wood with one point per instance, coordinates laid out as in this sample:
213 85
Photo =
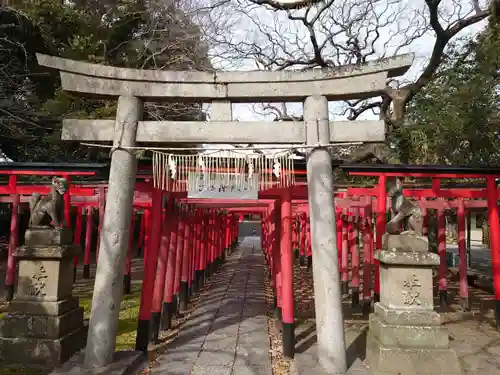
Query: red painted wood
287 258
13 239
88 237
151 257
494 232
462 251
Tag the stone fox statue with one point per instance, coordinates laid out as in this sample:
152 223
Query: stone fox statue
50 207
403 209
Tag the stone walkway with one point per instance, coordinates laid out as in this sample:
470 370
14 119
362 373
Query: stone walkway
228 332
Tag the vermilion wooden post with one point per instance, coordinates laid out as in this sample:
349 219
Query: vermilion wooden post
276 257
178 260
295 230
147 225
303 238
380 230
494 240
309 244
425 219
228 234
142 231
367 256
192 251
127 277
345 252
77 237
67 218
211 243
288 332
67 203
265 239
150 261
206 227
161 269
443 269
13 240
88 243
355 259
186 257
338 226
168 309
216 241
102 203
462 256
235 231
222 238
197 251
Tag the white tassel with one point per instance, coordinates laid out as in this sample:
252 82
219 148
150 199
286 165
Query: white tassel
277 168
250 169
172 166
202 165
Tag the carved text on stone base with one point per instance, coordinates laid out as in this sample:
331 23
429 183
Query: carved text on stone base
410 291
38 277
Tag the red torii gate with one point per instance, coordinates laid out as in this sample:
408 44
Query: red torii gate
437 173
13 170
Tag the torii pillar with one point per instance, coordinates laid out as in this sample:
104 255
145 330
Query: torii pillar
327 301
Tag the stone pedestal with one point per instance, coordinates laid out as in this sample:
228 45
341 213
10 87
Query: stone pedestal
405 335
44 324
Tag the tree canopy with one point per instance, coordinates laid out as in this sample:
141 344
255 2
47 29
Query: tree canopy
455 119
126 33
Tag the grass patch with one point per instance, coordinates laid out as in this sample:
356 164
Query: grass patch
129 315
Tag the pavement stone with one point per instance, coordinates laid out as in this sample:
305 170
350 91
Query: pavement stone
227 334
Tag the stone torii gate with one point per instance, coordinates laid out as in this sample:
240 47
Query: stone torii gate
131 86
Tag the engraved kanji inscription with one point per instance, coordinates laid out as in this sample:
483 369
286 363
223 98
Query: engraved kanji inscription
38 282
411 291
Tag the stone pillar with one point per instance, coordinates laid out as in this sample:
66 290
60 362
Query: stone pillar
108 287
44 324
327 296
405 335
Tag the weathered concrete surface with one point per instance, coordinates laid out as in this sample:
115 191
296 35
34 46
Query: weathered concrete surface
35 236
306 361
329 318
113 245
124 363
405 241
216 131
227 333
43 326
347 82
412 345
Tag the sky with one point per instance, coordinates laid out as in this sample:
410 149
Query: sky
400 16
241 23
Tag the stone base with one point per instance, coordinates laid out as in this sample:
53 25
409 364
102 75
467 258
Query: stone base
43 307
406 241
407 336
126 362
41 326
385 360
41 352
47 236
